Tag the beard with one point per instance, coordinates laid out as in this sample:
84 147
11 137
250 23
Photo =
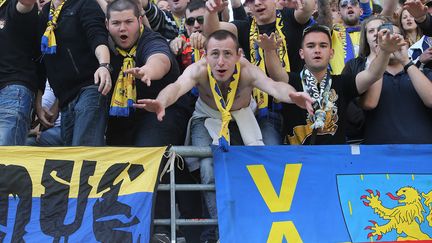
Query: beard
351 21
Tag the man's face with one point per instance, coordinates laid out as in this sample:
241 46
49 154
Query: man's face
124 28
350 12
222 56
197 16
264 11
316 51
372 34
178 6
407 21
396 31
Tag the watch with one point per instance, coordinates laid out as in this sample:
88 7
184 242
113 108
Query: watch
107 66
408 65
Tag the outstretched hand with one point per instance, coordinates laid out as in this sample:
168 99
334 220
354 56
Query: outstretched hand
215 6
151 106
268 43
390 42
302 100
416 8
140 73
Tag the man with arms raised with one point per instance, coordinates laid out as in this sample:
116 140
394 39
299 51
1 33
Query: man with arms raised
331 93
225 81
287 24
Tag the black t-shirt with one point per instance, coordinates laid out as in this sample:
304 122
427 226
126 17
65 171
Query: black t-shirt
151 43
18 46
355 66
296 131
292 30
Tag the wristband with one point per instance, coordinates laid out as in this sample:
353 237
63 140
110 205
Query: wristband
408 65
107 66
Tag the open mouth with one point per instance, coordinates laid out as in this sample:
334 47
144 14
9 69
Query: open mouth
222 72
391 196
350 12
260 10
123 37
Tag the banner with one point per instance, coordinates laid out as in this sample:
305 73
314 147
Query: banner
77 194
324 193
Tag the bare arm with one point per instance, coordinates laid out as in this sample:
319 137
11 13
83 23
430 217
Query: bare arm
324 13
25 6
304 10
279 90
172 92
389 7
103 4
156 67
422 85
211 19
369 100
388 43
273 65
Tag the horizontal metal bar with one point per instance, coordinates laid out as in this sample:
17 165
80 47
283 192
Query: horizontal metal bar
192 151
186 221
187 187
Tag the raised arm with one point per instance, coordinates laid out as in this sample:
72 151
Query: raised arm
389 8
273 65
25 6
420 12
172 92
304 10
388 44
211 19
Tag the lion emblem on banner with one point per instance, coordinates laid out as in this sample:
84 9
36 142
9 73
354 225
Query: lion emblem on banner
405 218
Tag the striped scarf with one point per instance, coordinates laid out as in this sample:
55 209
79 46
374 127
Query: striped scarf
223 106
48 42
2 2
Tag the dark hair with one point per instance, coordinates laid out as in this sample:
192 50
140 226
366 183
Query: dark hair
376 8
364 48
195 4
222 35
316 28
121 5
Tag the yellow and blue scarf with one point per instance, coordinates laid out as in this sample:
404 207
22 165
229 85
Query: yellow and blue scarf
257 58
224 106
48 42
2 2
343 41
124 94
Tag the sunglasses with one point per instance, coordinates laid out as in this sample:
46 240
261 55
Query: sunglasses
345 3
316 28
191 20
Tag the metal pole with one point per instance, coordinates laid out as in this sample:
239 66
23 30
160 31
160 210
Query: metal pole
173 203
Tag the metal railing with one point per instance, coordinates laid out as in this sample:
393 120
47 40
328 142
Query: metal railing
184 151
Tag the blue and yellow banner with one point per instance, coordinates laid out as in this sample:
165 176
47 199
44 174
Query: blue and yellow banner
77 194
324 193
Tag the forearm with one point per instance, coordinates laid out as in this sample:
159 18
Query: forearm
102 54
281 92
103 4
389 7
369 100
324 13
375 71
425 24
236 3
303 14
169 95
422 85
211 23
25 6
274 67
158 65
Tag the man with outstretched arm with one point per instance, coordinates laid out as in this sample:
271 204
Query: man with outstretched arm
225 81
331 93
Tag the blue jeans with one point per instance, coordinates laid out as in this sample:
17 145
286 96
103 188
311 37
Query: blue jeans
16 104
49 137
271 128
201 137
84 119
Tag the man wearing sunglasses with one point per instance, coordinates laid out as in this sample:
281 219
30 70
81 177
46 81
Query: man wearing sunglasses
287 24
346 35
189 49
331 93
